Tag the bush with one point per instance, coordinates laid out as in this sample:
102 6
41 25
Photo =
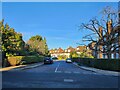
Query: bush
105 64
62 57
17 60
33 59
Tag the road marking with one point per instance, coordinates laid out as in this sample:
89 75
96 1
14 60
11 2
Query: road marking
67 72
57 67
68 80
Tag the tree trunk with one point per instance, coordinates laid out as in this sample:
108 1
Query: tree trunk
109 55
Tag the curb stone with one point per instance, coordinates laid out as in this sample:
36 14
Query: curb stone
26 67
104 72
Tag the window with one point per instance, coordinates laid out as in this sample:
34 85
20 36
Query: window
117 55
112 56
87 48
65 50
77 48
104 55
68 50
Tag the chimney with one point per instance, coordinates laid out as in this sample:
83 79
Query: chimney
101 32
109 26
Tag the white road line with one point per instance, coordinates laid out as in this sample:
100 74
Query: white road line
57 67
68 80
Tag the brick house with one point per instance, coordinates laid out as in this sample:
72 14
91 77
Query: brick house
115 42
66 52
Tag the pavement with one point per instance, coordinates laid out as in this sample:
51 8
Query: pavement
21 67
57 75
104 72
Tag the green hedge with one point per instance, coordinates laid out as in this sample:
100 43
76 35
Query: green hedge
112 64
17 60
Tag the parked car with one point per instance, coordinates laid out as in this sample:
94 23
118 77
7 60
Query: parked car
54 58
48 60
68 60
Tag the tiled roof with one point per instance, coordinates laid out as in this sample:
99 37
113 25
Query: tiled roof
80 48
68 50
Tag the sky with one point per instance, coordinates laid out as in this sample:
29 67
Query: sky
58 22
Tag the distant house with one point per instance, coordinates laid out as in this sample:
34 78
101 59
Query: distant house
66 52
80 49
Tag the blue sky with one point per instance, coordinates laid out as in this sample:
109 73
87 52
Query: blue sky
58 22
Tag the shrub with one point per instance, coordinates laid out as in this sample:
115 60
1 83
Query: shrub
33 59
105 64
62 57
17 60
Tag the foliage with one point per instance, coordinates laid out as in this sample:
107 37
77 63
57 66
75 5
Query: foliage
81 55
12 42
106 64
17 60
33 59
38 45
62 57
73 54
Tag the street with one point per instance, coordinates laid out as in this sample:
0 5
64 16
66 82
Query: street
57 75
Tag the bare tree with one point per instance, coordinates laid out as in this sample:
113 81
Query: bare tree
104 32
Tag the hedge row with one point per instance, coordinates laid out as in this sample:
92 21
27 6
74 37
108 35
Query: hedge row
105 64
17 60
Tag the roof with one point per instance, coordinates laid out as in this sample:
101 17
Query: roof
80 48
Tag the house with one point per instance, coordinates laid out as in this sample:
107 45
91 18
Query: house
80 49
98 48
66 52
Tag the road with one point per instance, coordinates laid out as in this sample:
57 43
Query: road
57 75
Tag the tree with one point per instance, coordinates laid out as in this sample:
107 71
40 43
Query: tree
38 44
103 32
73 54
12 42
45 47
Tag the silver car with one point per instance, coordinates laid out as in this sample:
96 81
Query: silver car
68 60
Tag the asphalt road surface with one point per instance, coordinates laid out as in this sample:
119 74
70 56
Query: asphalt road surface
57 75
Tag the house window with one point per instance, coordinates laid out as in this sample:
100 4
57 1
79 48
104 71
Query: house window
112 56
87 48
117 55
104 55
77 48
68 50
65 50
